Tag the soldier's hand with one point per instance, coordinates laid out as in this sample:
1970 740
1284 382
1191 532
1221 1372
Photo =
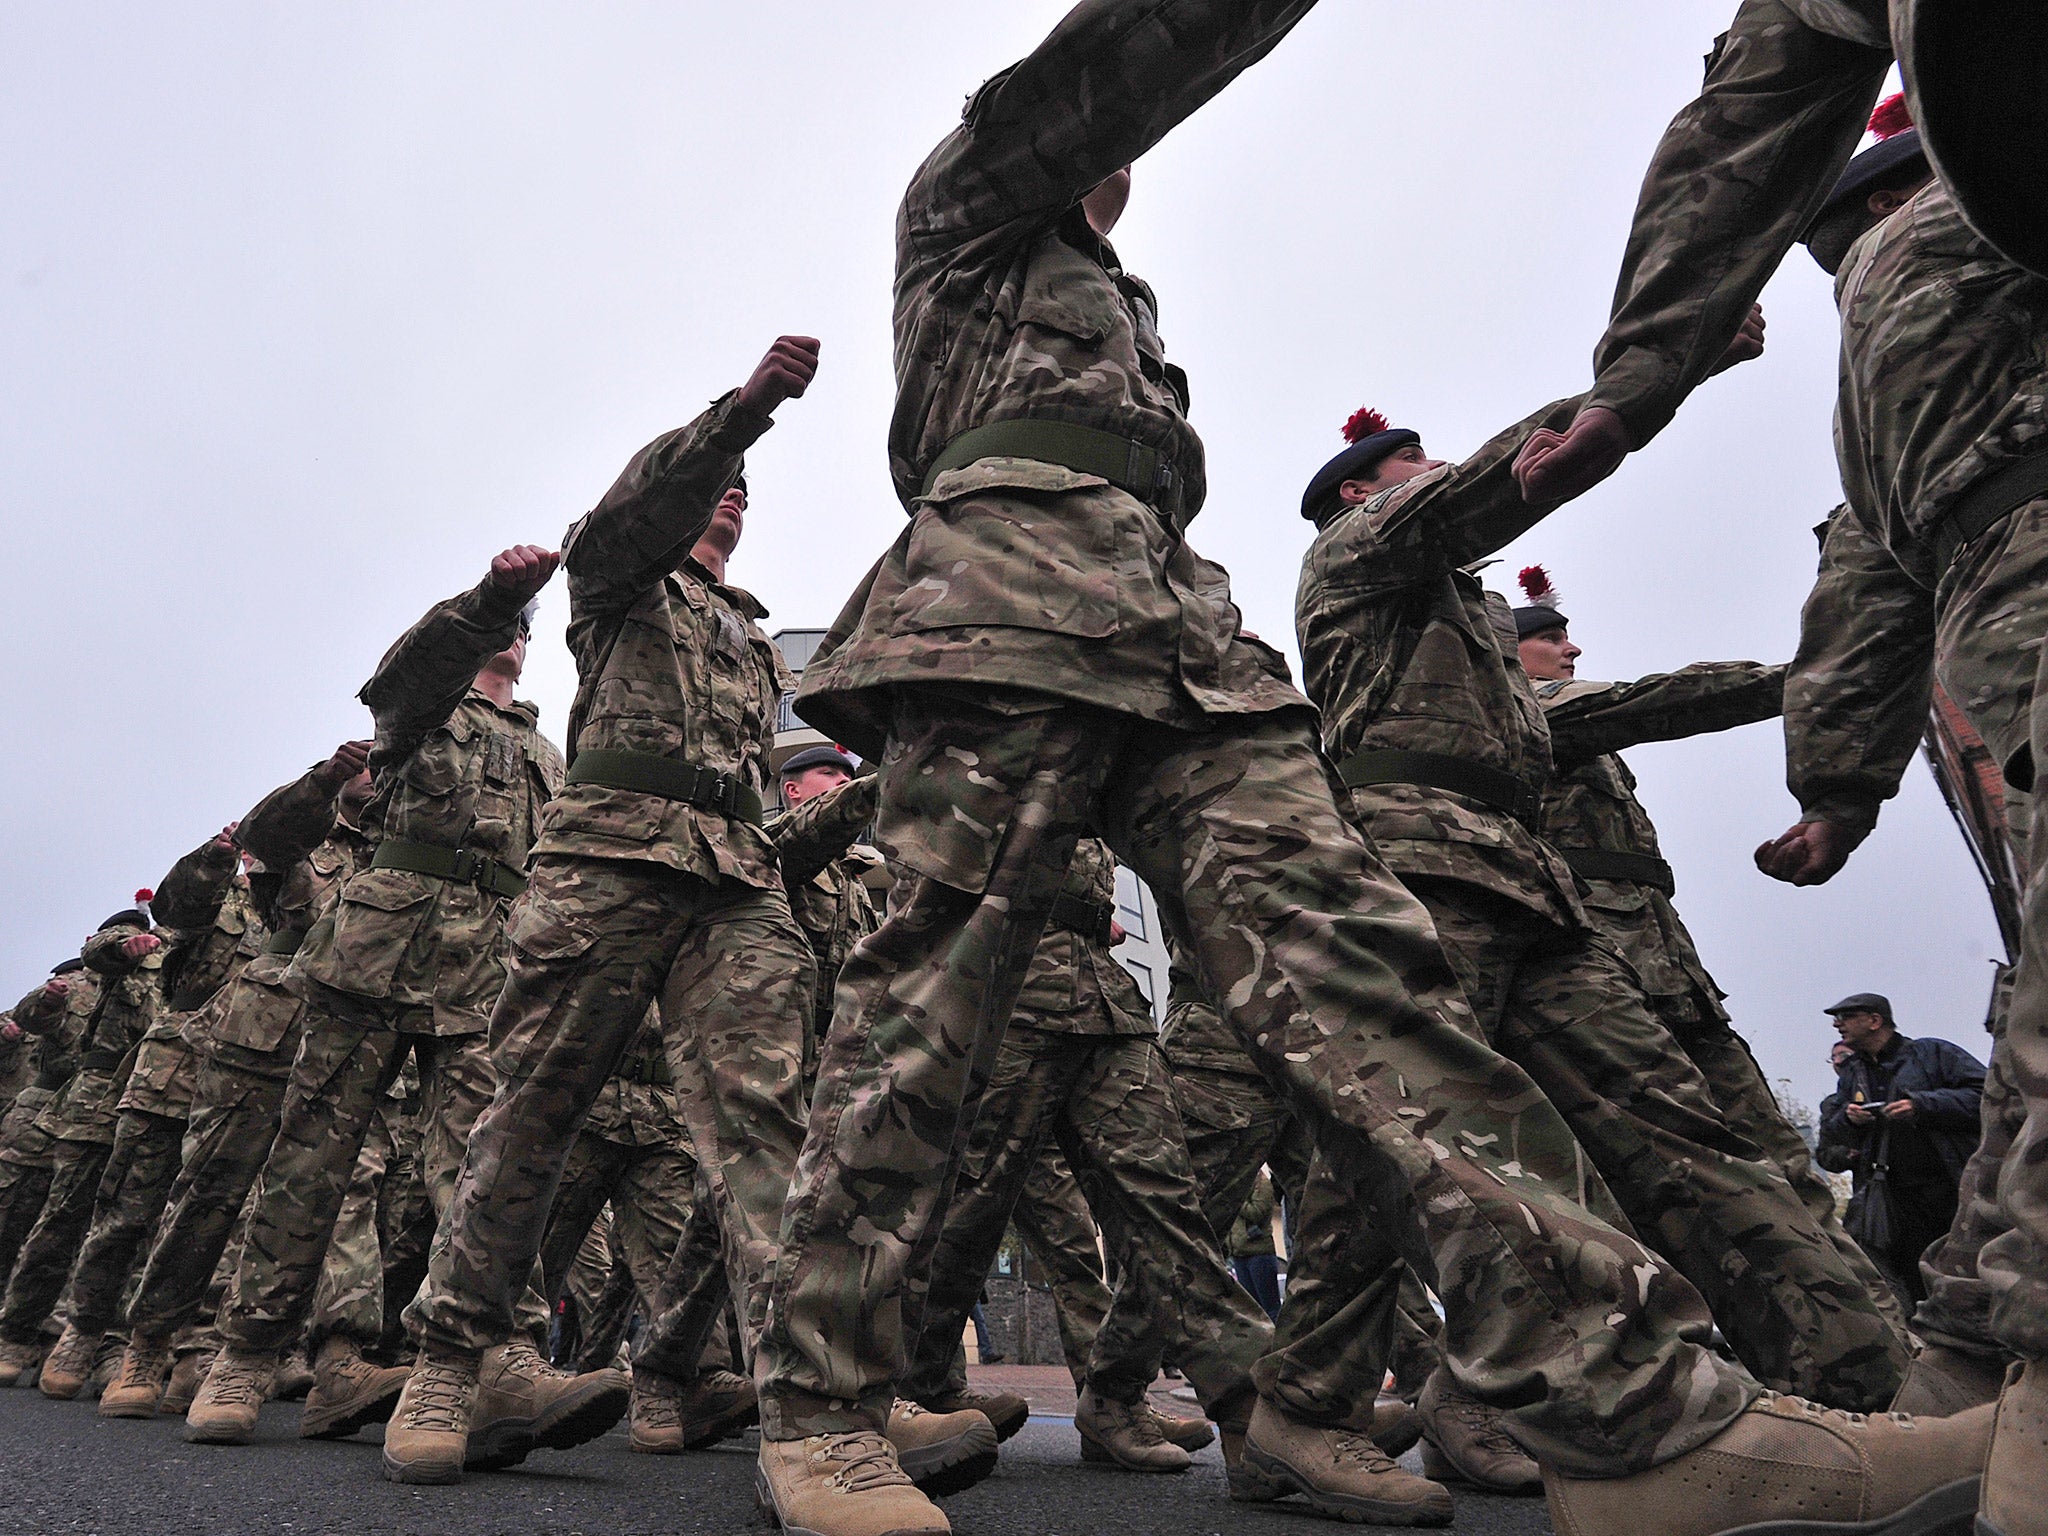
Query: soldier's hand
56 989
1556 466
225 837
350 759
138 946
10 1031
1809 853
784 374
1747 345
523 570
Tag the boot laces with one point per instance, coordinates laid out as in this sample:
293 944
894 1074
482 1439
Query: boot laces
866 1461
657 1407
1484 1425
235 1381
1359 1449
437 1398
520 1358
74 1351
144 1365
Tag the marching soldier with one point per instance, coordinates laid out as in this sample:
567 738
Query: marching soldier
55 1015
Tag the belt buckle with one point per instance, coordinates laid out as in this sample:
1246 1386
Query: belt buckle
467 866
725 793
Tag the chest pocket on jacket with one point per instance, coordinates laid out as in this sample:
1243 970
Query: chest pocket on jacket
1015 559
440 764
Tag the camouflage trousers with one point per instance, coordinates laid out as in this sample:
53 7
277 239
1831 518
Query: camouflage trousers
1739 1088
1237 1124
351 1052
137 1183
377 1255
1332 976
650 1190
1107 1103
53 1242
683 1333
1055 1224
26 1164
593 943
236 1099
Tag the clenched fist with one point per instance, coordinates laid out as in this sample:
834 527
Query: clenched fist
784 374
523 570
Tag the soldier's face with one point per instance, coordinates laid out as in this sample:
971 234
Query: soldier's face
728 522
1105 204
509 662
1397 468
812 782
1550 654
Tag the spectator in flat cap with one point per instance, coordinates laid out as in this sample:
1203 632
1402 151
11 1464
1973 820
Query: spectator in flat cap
1902 1121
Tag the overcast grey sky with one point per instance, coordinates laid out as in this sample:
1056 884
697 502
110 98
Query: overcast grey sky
308 310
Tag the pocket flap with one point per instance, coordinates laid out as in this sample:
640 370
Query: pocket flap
538 927
387 890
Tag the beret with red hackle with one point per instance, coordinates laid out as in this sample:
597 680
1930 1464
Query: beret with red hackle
1898 147
1541 612
1367 440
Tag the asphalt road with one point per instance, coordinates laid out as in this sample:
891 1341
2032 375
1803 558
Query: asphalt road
69 1471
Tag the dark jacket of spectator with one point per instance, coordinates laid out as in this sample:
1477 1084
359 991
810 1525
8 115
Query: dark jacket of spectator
1944 1082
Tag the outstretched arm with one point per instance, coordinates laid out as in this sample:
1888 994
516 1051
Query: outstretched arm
820 830
190 895
293 820
1589 720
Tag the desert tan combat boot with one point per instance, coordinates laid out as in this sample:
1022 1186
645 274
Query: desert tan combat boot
348 1392
67 1367
1006 1411
1189 1434
1127 1435
137 1389
428 1433
667 1418
1463 1442
524 1404
1793 1465
224 1412
1341 1472
942 1452
294 1377
1942 1381
844 1485
1396 1426
188 1375
2015 1500
19 1363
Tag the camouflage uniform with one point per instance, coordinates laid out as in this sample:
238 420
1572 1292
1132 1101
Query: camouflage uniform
1942 386
377 1256
249 1032
1592 817
82 1123
206 899
638 895
404 962
824 871
1042 655
27 1146
633 1155
1080 1066
1407 654
17 1062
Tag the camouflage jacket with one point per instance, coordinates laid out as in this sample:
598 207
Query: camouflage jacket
451 768
669 660
1402 648
1016 573
1195 1035
18 1058
59 1027
1592 803
1735 179
639 1106
305 853
131 998
1074 985
823 870
1944 378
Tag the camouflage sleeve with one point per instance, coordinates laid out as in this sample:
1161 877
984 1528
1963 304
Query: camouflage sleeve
291 821
1091 875
1733 181
820 830
1110 81
39 1013
1440 521
423 677
1589 720
658 508
1857 696
102 952
190 895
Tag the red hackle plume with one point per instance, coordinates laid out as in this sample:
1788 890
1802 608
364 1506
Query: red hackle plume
1892 117
1363 423
1536 586
144 896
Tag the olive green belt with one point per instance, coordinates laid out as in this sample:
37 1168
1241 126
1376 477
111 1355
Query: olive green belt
653 1070
649 773
1439 770
286 941
1994 497
50 1079
463 864
1605 864
99 1061
1130 466
1077 914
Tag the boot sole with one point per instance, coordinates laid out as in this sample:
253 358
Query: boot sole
1095 1453
421 1473
345 1419
223 1436
1005 1427
951 1466
60 1391
568 1423
138 1409
1950 1510
766 1502
1342 1506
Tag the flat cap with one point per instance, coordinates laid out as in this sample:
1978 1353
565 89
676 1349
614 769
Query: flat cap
815 757
1863 1002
